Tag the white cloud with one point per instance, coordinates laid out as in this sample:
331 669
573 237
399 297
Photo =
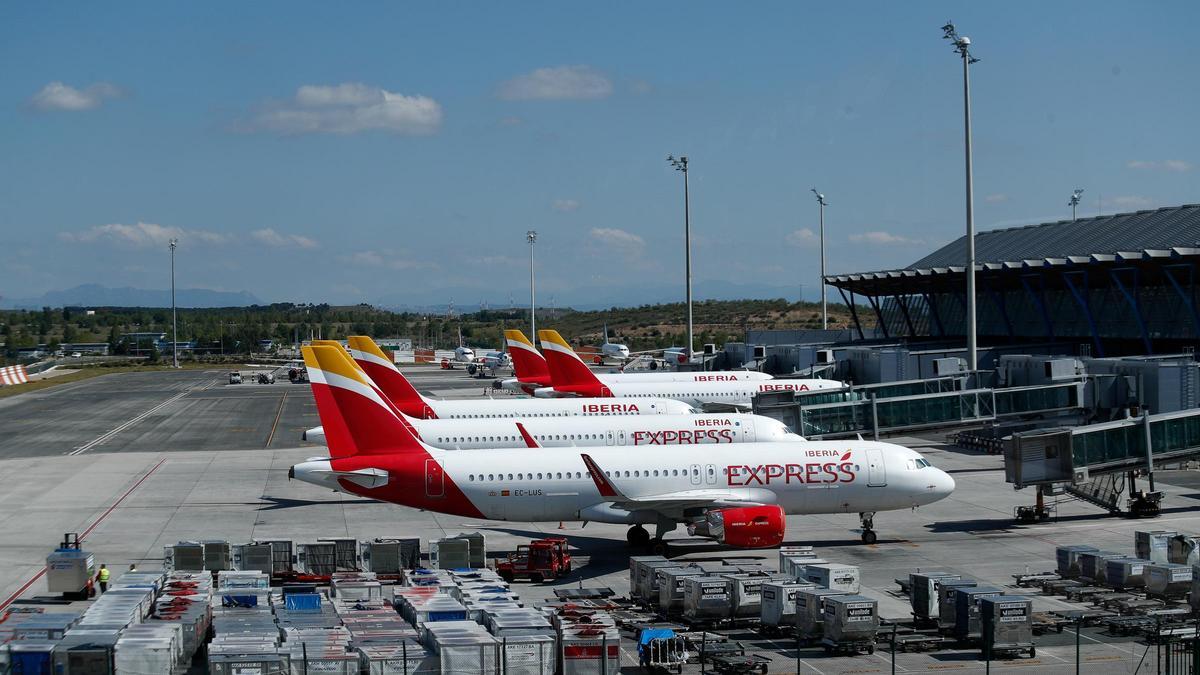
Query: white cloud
142 235
1165 165
996 198
349 108
388 259
629 244
270 237
802 238
59 96
565 205
879 238
562 82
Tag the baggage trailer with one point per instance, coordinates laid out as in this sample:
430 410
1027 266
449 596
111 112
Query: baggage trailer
1007 625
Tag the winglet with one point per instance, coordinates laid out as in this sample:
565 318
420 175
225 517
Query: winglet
602 483
529 440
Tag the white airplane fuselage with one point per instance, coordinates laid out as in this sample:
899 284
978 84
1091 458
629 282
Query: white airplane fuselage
612 430
531 486
535 408
696 394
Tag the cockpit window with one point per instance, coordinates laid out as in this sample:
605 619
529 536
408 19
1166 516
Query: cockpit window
922 463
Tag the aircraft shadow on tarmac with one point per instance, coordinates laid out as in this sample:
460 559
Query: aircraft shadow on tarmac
275 503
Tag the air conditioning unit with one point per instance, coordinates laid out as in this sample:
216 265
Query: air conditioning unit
760 352
709 349
824 356
948 366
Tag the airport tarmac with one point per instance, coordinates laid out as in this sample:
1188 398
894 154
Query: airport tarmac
141 460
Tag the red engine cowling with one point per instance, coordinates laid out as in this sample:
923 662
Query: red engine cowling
748 527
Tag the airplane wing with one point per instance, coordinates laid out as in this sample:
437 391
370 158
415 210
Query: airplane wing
672 504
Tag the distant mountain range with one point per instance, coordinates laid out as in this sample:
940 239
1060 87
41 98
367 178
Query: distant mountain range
95 295
465 299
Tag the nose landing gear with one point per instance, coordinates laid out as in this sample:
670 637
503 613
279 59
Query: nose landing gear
637 536
868 527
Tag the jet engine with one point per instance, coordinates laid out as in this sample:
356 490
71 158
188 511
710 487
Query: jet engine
743 527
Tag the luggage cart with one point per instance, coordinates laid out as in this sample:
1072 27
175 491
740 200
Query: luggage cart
739 664
852 647
661 648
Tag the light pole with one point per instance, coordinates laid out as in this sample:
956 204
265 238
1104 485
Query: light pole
531 237
962 45
681 164
824 305
1075 198
174 332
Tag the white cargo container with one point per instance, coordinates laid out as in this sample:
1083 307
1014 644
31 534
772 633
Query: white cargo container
779 602
1153 545
835 577
69 570
450 553
1168 580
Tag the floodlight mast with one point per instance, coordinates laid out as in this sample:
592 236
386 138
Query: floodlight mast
821 203
174 330
681 164
531 237
1075 199
962 46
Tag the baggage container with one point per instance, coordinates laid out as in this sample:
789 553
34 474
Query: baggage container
1168 580
706 598
29 656
186 556
1093 565
49 626
833 576
468 653
345 553
591 651
1184 549
745 593
318 559
254 558
810 611
967 625
403 657
670 587
1194 596
923 592
68 570
390 556
779 601
282 555
794 566
518 622
528 655
794 552
83 658
450 553
1153 545
946 602
218 556
1067 558
649 583
477 550
1007 624
641 567
263 663
850 619
1124 573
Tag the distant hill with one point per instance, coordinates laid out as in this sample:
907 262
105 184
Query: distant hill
95 295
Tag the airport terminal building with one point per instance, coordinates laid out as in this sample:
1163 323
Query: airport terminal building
1104 286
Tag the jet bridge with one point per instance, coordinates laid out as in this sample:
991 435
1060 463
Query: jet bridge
913 405
1099 463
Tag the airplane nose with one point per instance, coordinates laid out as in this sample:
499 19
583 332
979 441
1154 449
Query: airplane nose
944 485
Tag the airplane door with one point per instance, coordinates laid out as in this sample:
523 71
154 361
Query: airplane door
695 471
747 432
620 437
610 437
876 470
435 484
710 474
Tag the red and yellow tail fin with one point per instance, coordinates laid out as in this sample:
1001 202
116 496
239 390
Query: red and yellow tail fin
381 369
528 363
569 373
356 417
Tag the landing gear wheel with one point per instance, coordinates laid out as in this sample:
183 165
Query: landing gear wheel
637 536
659 547
536 578
869 537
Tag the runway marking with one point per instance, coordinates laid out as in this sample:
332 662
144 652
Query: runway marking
42 572
125 425
275 424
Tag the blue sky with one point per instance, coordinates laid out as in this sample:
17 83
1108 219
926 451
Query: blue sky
361 152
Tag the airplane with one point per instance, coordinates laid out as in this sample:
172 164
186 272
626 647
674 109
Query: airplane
409 401
572 377
465 356
612 350
458 434
738 499
532 372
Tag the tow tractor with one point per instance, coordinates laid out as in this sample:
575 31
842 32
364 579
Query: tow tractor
538 560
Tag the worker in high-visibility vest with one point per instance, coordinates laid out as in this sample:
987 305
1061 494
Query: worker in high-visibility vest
102 577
